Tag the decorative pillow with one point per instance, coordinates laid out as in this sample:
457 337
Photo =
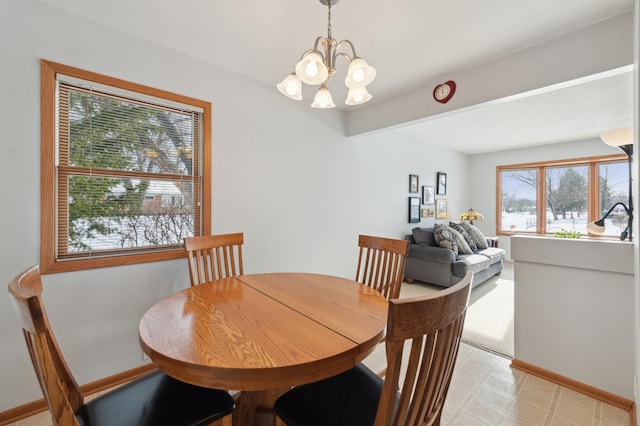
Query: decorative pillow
423 236
444 238
477 236
463 246
458 227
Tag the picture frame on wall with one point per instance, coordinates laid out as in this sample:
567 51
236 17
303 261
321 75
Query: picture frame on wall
413 184
428 195
442 183
426 213
441 209
414 209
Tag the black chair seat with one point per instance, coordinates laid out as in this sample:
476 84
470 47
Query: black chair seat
156 399
348 399
430 329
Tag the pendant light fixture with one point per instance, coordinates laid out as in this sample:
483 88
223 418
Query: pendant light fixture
317 67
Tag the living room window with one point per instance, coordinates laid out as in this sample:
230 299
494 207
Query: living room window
561 197
125 171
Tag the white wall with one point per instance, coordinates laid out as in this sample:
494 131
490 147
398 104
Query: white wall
574 309
483 169
283 174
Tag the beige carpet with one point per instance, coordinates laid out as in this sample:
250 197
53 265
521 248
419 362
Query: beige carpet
489 321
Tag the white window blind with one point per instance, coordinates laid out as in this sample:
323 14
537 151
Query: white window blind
128 169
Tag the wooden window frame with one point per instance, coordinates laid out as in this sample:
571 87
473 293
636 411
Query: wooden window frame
541 190
49 263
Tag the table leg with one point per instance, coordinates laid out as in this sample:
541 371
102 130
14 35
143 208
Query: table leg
256 407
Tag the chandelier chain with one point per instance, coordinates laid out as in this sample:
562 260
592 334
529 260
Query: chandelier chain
329 20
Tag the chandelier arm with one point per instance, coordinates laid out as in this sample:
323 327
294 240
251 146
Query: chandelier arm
336 54
317 42
346 55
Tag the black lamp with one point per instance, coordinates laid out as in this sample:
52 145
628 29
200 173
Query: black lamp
623 139
597 227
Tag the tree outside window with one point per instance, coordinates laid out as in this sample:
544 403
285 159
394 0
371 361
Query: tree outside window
567 198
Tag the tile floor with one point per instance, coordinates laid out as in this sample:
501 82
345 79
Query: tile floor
486 391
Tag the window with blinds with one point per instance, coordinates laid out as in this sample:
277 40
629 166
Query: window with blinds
127 171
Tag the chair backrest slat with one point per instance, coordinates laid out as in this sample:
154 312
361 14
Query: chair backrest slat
212 257
381 264
60 389
433 324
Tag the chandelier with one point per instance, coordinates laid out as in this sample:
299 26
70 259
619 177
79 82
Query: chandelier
317 67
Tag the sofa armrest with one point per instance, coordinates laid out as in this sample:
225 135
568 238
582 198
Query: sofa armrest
432 253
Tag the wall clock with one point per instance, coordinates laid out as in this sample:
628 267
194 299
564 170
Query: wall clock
443 92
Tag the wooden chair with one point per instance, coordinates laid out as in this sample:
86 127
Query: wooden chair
212 257
381 264
432 327
154 399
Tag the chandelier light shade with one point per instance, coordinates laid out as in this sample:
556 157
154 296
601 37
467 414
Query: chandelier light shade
471 215
291 86
318 66
323 98
359 74
311 69
357 96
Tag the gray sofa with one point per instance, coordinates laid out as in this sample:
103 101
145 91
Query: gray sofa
433 264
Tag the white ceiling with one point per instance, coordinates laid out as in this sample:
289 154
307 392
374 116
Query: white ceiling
578 111
409 42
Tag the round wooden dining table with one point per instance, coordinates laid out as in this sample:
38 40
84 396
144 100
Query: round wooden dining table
263 334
